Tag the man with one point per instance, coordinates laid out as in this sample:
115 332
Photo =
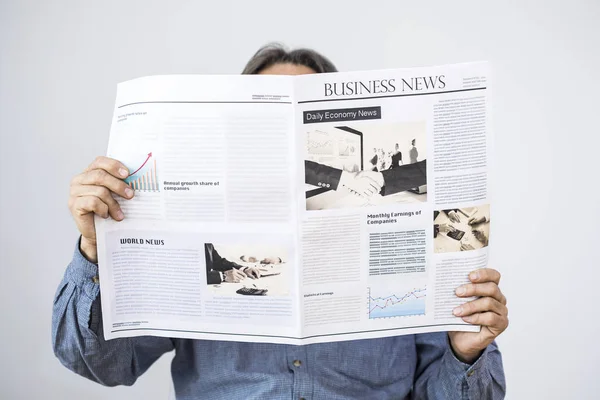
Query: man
413 153
219 269
446 366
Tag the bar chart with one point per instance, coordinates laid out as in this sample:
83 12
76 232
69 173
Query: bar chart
145 178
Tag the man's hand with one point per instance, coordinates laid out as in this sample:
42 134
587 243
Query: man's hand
480 235
447 228
477 220
271 260
466 246
233 276
453 216
489 311
252 272
375 176
91 193
362 183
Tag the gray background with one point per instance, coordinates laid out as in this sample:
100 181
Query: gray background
60 62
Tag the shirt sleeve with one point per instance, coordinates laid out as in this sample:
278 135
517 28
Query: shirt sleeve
321 175
221 263
404 177
77 335
440 375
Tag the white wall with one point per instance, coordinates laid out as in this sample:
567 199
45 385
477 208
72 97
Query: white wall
60 62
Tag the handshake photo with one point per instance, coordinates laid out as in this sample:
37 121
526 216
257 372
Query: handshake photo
364 184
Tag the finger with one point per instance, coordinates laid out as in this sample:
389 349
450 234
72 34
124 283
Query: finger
485 275
103 194
89 204
110 165
372 184
483 304
239 274
490 319
368 187
487 289
99 177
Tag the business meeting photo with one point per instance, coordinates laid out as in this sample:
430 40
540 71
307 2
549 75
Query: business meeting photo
248 269
367 164
461 229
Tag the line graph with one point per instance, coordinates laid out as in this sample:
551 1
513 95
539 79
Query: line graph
145 177
404 303
319 143
347 151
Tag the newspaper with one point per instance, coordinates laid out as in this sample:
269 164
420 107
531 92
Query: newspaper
297 209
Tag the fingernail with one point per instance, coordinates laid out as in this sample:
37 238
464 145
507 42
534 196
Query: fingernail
128 192
457 311
474 276
461 290
468 319
123 172
120 215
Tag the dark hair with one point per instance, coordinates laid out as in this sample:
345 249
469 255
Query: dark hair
275 53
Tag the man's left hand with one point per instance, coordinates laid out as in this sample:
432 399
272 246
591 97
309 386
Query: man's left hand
252 272
489 311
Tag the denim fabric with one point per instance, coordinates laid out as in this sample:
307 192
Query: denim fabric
404 367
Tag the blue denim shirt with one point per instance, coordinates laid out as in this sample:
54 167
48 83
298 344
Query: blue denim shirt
404 367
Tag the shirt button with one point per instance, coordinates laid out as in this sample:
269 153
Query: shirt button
297 363
471 373
95 279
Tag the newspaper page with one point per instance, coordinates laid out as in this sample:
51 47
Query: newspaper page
388 263
211 164
297 209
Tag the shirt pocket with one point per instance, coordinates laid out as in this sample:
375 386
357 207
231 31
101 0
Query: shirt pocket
370 363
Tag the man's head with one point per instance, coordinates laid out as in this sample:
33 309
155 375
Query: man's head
274 59
397 146
413 142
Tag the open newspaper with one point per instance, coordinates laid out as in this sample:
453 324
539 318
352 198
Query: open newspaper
300 209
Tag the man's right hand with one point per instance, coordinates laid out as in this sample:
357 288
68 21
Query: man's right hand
453 216
233 276
91 193
364 183
447 228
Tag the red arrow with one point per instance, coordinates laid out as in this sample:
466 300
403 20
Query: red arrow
149 155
